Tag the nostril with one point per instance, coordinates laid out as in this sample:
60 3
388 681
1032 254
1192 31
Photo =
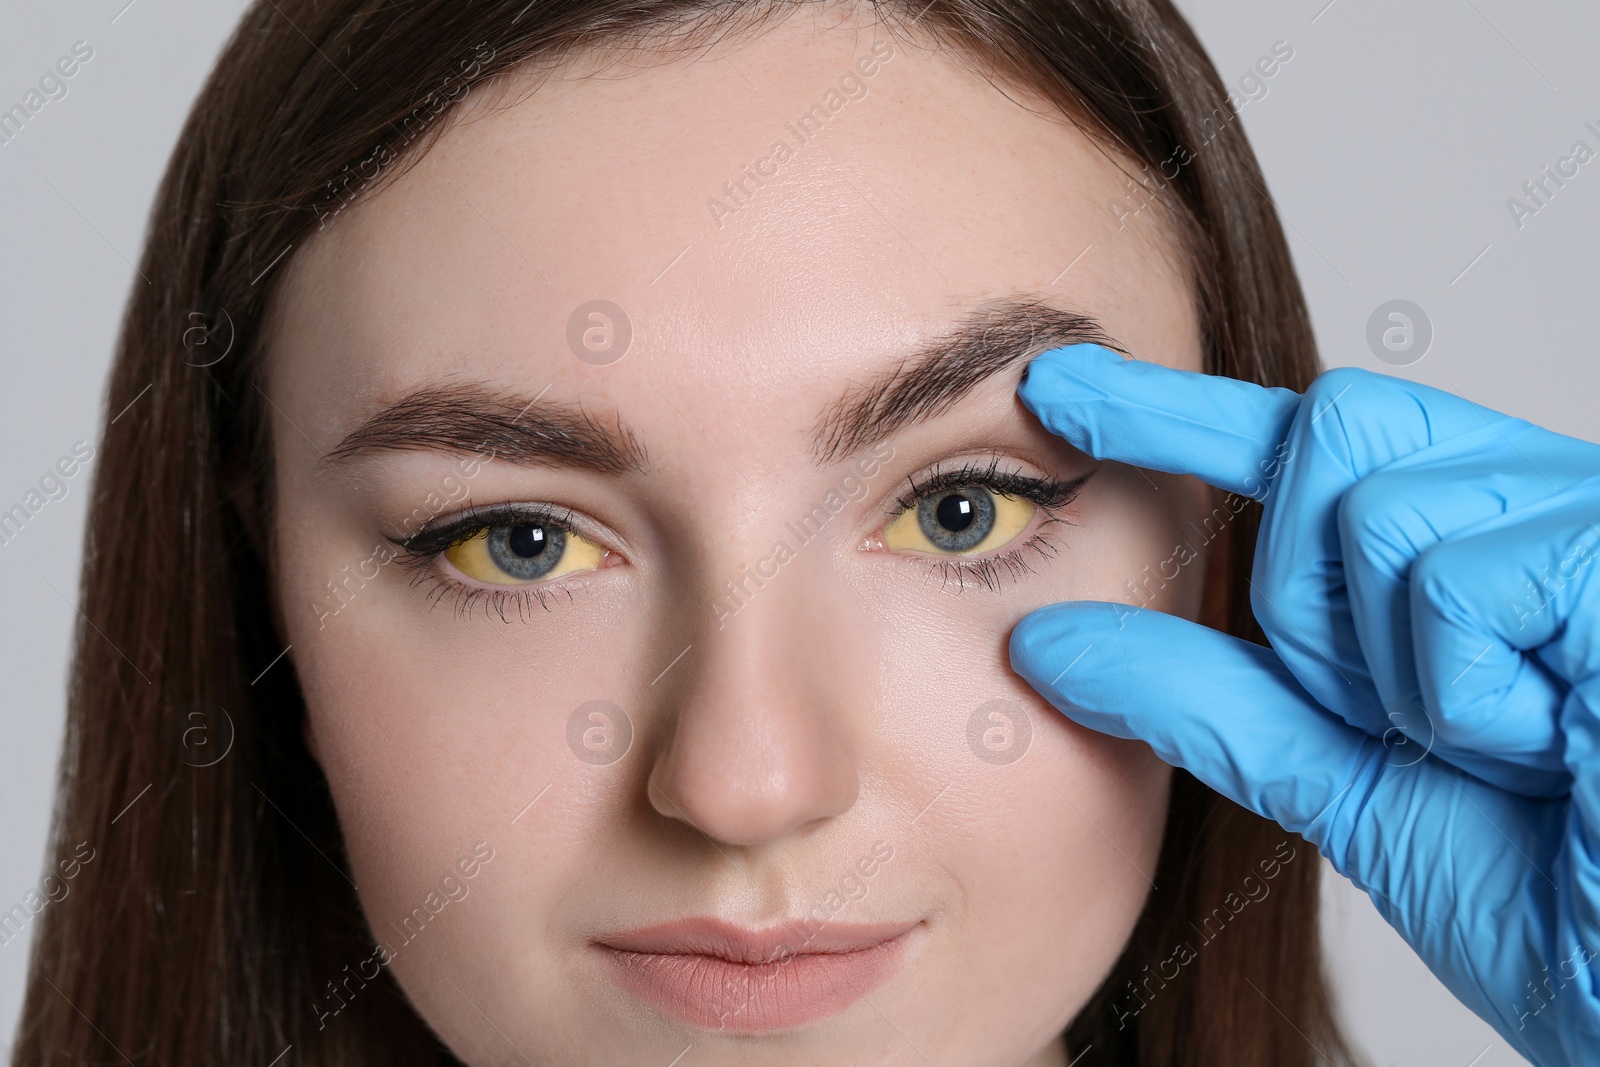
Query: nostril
674 810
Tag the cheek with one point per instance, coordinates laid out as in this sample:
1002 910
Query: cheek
1049 831
1073 837
438 732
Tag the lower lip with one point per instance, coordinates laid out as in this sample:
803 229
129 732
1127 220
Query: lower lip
719 994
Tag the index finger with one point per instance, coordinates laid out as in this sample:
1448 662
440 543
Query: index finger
1222 430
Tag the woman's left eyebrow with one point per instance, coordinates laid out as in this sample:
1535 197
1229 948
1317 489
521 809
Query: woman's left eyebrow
470 417
945 368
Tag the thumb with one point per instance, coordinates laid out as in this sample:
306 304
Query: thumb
1225 710
1426 840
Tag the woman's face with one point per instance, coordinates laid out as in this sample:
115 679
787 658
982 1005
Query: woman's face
709 747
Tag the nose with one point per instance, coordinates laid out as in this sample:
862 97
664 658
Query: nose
765 739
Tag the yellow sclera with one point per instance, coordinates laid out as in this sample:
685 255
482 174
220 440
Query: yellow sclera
472 558
1011 516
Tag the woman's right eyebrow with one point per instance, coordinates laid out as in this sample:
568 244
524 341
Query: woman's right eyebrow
477 418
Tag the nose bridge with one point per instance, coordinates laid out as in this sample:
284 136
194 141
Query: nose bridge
765 730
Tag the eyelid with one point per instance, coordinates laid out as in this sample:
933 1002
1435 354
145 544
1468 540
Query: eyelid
446 530
1045 491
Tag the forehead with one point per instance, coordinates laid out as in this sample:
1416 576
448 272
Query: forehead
775 217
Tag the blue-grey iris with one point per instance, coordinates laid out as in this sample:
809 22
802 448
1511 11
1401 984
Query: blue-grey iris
957 521
526 552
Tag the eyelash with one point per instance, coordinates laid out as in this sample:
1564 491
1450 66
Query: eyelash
419 553
1049 495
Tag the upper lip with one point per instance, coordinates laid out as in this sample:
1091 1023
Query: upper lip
709 936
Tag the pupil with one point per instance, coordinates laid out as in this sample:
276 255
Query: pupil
955 513
526 541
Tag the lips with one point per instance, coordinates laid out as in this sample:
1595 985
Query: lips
715 974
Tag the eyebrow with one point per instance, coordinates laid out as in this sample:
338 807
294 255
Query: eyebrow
471 417
944 369
468 417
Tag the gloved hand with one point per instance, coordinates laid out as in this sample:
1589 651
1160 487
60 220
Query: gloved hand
1429 712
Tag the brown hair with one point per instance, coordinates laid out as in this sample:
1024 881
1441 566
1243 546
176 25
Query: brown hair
208 922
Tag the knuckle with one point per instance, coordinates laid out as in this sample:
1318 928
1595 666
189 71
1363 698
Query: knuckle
1345 398
1339 380
1433 575
1373 518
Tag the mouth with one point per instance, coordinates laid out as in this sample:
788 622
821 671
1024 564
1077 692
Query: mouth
717 975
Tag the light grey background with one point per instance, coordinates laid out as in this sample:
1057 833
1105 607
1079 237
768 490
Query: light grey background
1391 142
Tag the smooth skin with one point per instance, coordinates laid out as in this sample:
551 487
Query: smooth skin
1429 712
774 745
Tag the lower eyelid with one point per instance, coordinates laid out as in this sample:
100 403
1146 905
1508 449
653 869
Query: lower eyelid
988 570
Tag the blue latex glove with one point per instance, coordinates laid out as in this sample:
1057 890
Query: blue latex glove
1429 712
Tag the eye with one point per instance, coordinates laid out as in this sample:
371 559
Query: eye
506 558
965 521
520 553
971 519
